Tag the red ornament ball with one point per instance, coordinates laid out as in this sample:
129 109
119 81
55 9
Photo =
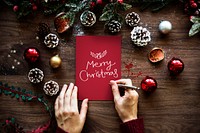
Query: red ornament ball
15 8
34 7
148 84
175 66
31 55
120 1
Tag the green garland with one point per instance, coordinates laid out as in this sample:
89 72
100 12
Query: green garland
24 95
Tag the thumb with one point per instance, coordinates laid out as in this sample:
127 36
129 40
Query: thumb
115 90
84 108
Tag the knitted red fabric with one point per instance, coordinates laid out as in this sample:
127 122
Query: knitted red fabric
59 130
133 126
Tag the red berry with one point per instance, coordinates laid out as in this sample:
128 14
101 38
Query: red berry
148 84
15 8
92 4
34 7
31 55
99 2
175 66
194 5
120 1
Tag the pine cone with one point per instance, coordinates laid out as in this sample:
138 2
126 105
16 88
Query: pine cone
51 88
140 36
43 30
88 18
132 19
35 75
51 40
114 26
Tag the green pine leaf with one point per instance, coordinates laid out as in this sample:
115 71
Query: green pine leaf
17 96
29 98
194 29
106 16
39 99
5 92
23 98
125 6
6 86
23 90
108 7
195 19
12 120
12 95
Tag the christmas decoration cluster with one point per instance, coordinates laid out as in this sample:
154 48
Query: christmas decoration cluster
32 56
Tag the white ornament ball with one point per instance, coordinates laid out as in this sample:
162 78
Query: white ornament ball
165 27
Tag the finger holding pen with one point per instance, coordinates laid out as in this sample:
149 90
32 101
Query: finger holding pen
126 105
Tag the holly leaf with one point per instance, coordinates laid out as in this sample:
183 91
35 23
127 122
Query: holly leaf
108 7
124 6
0 91
195 19
106 16
194 29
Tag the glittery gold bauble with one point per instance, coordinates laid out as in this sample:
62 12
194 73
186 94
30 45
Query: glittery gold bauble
55 61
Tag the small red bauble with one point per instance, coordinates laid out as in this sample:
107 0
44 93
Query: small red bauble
194 5
99 2
148 84
34 7
31 55
120 1
15 8
175 66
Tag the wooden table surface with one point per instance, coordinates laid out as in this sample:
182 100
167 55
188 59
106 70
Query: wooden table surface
173 108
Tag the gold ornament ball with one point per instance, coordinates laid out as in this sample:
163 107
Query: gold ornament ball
55 61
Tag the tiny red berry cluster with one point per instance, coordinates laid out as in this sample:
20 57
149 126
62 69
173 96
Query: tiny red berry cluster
192 7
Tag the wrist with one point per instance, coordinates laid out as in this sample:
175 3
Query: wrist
129 119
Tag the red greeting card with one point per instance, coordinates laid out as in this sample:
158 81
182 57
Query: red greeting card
98 60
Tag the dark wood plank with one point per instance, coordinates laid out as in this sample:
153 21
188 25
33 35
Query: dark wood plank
174 107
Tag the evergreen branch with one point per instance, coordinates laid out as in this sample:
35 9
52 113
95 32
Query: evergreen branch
111 11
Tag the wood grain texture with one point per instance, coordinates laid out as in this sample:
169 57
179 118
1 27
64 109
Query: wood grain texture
173 108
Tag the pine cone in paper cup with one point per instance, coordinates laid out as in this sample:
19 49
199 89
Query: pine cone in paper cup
140 36
132 19
35 75
88 18
51 40
51 88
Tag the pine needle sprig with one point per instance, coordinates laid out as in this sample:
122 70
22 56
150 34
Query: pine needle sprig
111 11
